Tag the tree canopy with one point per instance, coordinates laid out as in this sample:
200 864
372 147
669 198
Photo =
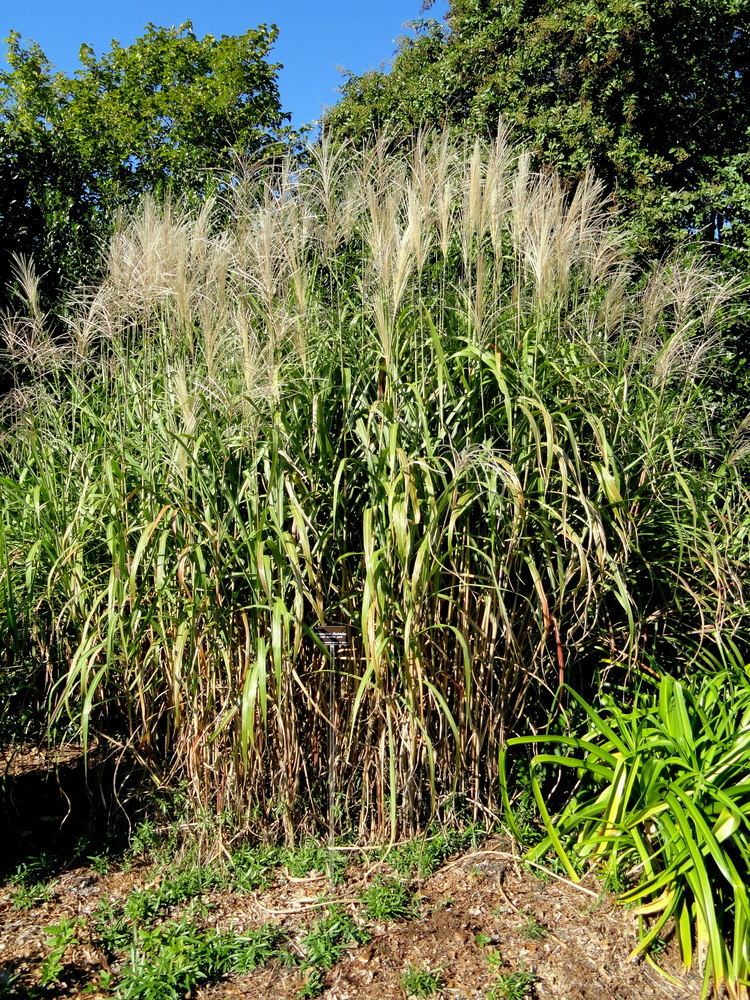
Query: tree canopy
170 110
653 94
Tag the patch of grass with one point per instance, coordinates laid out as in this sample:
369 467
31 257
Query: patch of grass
314 984
516 985
169 961
388 899
251 868
330 936
305 860
110 927
423 856
417 982
26 897
533 930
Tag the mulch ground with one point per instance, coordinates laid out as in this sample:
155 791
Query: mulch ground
18 759
479 904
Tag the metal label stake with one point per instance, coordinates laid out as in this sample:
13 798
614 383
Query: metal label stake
333 637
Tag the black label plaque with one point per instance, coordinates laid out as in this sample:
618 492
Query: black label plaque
333 636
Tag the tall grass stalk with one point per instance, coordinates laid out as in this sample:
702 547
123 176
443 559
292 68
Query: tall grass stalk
429 396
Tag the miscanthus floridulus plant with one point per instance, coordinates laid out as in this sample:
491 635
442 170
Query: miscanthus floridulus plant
425 395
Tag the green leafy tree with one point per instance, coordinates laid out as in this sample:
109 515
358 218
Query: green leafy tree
46 204
653 94
172 110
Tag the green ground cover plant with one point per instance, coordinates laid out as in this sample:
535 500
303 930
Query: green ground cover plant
389 899
516 985
171 959
60 937
28 895
428 396
32 883
417 982
330 936
424 855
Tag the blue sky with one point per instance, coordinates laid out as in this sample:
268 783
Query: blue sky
317 37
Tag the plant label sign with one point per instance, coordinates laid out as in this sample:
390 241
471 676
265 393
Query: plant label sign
333 636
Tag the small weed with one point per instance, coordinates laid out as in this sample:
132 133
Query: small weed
424 856
99 863
103 983
658 947
251 867
533 930
482 940
110 926
420 982
304 860
34 870
259 947
144 840
513 986
142 905
388 899
26 897
330 936
494 958
314 984
31 882
615 880
60 937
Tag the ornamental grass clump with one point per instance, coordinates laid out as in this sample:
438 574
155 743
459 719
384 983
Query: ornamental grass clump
427 395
